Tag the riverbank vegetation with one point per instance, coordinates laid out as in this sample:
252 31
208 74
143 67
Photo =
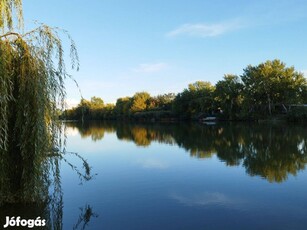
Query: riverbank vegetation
270 90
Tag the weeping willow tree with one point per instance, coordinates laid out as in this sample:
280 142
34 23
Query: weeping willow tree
32 74
6 13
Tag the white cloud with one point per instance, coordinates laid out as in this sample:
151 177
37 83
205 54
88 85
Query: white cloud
304 72
150 68
205 30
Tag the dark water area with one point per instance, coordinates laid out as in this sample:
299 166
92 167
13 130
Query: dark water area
184 176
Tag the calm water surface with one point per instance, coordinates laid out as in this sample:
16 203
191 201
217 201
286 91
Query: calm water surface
187 176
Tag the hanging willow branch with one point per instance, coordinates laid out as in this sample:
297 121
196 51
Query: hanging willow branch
32 74
7 13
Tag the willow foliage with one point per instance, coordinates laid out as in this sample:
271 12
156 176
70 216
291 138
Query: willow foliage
7 8
32 74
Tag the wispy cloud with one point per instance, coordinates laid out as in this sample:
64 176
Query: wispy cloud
304 72
205 29
150 68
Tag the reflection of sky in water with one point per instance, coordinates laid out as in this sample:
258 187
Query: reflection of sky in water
302 146
71 131
152 163
206 198
163 187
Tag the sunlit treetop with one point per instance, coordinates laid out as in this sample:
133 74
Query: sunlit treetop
8 10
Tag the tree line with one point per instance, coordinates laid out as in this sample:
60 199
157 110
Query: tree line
268 89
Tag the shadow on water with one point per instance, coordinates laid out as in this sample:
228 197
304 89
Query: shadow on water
44 202
270 151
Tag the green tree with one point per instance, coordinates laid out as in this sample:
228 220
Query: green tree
6 14
96 103
108 111
165 101
228 95
202 97
196 99
139 102
122 106
32 74
272 83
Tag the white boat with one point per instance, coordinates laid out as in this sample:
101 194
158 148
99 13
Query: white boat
209 119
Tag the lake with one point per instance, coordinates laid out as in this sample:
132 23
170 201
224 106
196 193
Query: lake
188 176
185 176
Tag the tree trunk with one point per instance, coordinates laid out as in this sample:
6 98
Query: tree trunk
269 101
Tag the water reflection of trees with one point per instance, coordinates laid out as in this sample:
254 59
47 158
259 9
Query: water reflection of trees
45 200
92 129
276 152
270 151
143 135
84 217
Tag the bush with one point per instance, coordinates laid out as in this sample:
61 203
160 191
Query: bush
297 114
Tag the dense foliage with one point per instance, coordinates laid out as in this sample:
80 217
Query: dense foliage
266 90
32 74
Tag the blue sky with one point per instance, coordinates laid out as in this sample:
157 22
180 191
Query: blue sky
160 46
